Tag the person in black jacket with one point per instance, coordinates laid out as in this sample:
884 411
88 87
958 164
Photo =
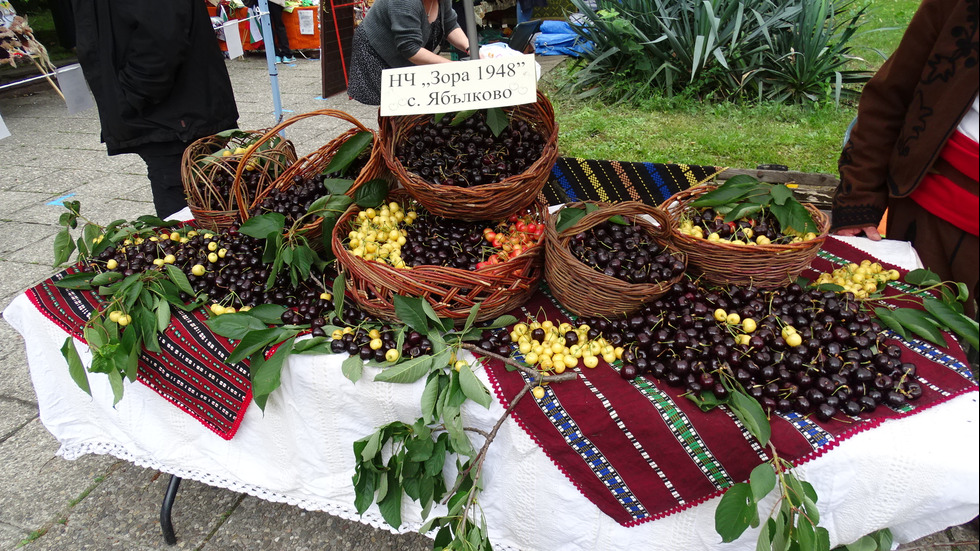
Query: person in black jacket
159 80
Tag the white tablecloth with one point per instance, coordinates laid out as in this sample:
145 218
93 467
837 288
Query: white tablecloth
915 475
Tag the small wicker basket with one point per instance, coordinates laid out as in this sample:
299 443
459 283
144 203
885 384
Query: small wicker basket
452 292
312 164
765 266
213 204
483 202
588 292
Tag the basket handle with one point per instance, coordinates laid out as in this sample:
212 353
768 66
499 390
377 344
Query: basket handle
284 124
624 208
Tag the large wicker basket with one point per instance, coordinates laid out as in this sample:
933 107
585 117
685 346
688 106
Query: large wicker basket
483 202
766 266
452 292
588 292
213 204
313 164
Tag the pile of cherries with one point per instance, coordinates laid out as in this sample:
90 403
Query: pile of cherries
294 201
226 266
625 252
842 365
223 183
764 224
468 154
437 241
377 344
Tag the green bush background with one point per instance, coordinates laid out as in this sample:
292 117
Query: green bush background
684 129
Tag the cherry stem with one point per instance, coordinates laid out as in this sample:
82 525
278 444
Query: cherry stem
477 462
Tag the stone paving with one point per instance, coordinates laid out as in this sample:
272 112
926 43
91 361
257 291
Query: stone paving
99 502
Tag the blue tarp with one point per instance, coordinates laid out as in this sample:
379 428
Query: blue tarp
558 38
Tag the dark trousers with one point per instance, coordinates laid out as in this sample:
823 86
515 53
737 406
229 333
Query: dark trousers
163 170
945 249
279 31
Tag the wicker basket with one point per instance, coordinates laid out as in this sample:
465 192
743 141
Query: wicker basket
312 164
483 202
588 292
766 266
452 292
214 207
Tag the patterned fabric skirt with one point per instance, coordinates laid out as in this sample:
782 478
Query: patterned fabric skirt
364 74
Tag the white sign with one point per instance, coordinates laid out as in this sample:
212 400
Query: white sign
75 89
445 87
233 39
305 21
3 129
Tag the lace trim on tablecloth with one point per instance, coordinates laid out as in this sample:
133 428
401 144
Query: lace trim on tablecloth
75 451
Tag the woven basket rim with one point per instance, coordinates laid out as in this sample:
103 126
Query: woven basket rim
320 156
727 263
512 280
605 294
821 219
476 202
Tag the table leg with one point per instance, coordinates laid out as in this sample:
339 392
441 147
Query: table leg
166 524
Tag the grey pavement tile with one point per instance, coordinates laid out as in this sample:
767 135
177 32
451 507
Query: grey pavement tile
964 533
29 238
83 124
96 193
135 204
10 536
96 170
14 176
14 374
12 201
127 208
37 485
39 253
46 211
16 277
16 413
58 144
258 524
123 512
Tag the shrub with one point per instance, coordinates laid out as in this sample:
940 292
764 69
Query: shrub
791 51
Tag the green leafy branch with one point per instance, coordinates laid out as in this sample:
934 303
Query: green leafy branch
290 249
95 238
137 309
570 215
743 196
792 521
944 313
256 330
247 140
414 451
401 458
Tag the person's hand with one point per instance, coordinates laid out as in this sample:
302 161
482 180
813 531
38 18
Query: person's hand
871 232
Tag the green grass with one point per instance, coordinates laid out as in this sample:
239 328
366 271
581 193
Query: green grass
683 130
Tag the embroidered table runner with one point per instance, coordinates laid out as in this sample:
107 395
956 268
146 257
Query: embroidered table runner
637 449
640 451
614 181
189 371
